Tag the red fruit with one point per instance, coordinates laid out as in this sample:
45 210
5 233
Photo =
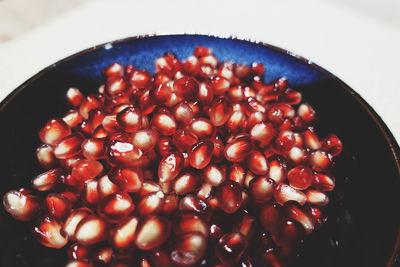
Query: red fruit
306 113
311 139
115 69
271 215
213 175
298 215
115 85
289 234
110 124
230 248
229 196
165 146
221 110
150 204
78 252
284 141
164 123
300 177
237 122
262 188
262 132
200 154
188 249
129 179
205 94
277 171
91 230
201 51
270 258
290 96
123 235
120 152
257 163
275 115
170 205
220 85
54 130
145 139
186 87
205 191
317 198
146 103
320 161
191 66
316 216
148 187
209 60
87 169
218 152
69 146
170 167
74 218
140 79
45 156
202 128
75 97
297 155
93 148
48 180
152 232
73 118
58 206
22 205
47 231
323 182
192 203
332 145
90 103
254 106
103 254
130 119
186 183
238 148
105 187
284 193
184 140
183 113
246 225
189 222
237 173
115 207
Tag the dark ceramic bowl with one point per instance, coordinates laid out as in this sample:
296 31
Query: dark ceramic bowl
364 218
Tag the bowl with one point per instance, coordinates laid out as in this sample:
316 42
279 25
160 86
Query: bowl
363 215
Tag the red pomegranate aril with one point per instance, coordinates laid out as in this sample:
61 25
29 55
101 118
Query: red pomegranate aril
205 93
54 130
152 232
165 123
69 146
221 110
262 188
220 85
184 140
298 215
124 153
230 248
170 205
209 60
257 163
289 234
47 232
87 169
226 70
183 113
229 196
170 167
320 161
246 225
275 115
93 148
48 180
213 175
290 96
262 132
191 66
277 171
91 230
148 187
150 204
316 216
205 191
90 195
91 102
254 106
128 179
306 113
111 124
189 222
58 206
238 148
22 205
123 234
188 249
201 51
115 207
45 156
115 85
74 97
284 141
317 198
237 173
105 187
186 183
323 182
103 254
271 215
192 203
74 218
332 145
248 178
218 151
200 154
311 139
140 79
297 155
300 177
164 65
237 122
130 119
78 252
284 193
186 87
73 118
202 128
115 69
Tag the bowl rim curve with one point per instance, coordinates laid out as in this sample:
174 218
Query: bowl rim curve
394 147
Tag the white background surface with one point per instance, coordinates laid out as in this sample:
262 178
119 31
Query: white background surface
359 45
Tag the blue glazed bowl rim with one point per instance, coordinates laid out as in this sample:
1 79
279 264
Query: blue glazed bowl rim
391 141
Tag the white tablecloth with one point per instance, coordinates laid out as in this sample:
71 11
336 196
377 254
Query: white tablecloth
361 50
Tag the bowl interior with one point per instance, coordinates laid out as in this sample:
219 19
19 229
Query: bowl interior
363 217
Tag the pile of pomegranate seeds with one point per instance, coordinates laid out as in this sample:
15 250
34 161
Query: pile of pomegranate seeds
201 164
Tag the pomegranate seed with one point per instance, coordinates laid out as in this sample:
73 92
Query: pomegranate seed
320 161
170 167
192 203
332 145
183 113
218 151
242 71
221 110
115 69
123 235
254 118
115 207
284 141
58 206
290 96
300 177
284 193
145 139
230 248
277 172
246 225
205 191
22 205
186 87
298 215
140 79
75 97
105 187
73 118
316 216
54 130
48 180
110 124
130 179
306 113
186 183
119 152
257 163
103 254
238 148
289 234
45 156
317 198
220 85
184 140
209 60
271 215
201 51
213 175
237 122
149 187
200 154
262 188
191 66
74 218
205 93
152 232
237 173
130 119
91 102
188 222
165 123
254 106
93 148
202 128
78 252
311 140
170 205
115 85
47 232
248 178
262 132
297 155
323 182
150 204
87 169
229 196
91 230
188 249
69 146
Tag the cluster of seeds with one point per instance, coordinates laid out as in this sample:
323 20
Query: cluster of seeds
202 164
